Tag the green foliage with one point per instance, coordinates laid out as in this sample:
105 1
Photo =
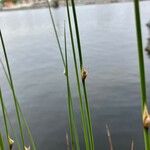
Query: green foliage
81 86
85 121
21 120
72 121
13 91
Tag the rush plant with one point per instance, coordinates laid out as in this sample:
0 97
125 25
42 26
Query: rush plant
145 113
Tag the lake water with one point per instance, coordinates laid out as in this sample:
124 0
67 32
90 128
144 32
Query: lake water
110 53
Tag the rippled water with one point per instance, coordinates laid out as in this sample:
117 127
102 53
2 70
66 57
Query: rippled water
110 54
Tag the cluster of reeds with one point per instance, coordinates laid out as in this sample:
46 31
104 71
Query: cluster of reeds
11 137
81 75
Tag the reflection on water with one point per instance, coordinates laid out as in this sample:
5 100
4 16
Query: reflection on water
110 54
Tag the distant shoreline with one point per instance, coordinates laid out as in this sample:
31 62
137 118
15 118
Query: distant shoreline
43 4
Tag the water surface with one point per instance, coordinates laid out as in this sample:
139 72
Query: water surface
110 54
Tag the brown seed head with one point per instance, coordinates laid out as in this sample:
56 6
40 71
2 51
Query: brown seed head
27 148
84 74
11 142
146 118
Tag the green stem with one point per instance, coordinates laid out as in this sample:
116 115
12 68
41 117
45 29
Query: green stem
141 68
56 34
83 82
70 103
78 82
13 90
20 111
69 96
1 142
88 115
4 116
13 132
77 33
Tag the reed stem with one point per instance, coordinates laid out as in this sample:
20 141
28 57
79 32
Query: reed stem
141 68
89 123
83 118
72 122
13 90
1 142
77 33
20 111
12 129
73 130
4 116
56 34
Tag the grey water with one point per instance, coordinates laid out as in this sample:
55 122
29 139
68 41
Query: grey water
110 55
